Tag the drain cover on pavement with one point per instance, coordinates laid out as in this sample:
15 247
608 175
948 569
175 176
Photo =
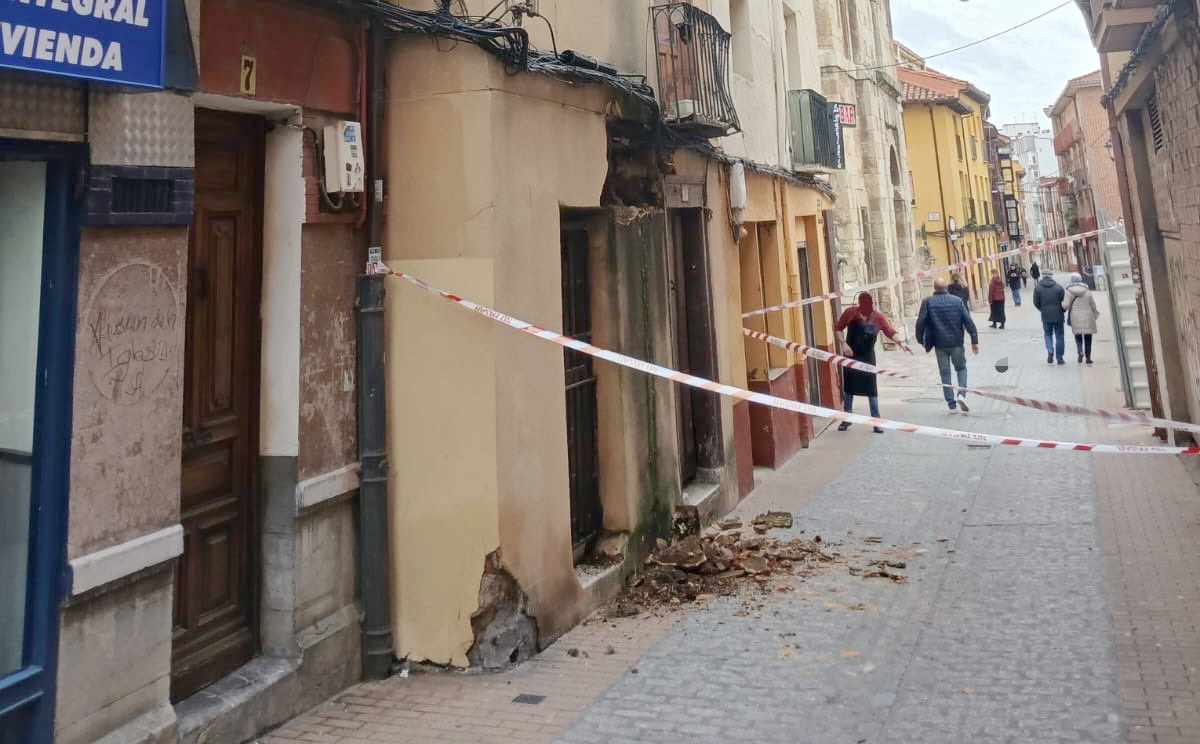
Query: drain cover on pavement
527 699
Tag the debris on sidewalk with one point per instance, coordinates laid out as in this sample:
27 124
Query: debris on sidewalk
772 520
880 570
728 559
720 562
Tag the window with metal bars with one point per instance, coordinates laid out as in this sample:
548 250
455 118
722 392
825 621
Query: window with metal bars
1156 127
141 195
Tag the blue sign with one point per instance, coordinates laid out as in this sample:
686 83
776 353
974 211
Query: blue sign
112 41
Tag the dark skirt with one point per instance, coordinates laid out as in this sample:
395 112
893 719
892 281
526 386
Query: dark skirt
997 315
855 382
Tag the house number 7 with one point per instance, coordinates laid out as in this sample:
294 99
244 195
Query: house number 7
249 77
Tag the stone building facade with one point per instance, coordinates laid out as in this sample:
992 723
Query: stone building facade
873 215
178 435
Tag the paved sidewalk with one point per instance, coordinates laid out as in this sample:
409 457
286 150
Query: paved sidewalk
1053 597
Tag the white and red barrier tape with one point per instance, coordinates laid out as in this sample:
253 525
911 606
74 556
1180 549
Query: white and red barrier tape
917 276
771 400
1130 417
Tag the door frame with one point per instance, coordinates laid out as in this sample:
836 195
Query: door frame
571 223
30 693
253 514
696 334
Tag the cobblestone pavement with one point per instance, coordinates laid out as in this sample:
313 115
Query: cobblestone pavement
1052 597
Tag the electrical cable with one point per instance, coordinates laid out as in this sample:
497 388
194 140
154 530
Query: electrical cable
553 41
977 42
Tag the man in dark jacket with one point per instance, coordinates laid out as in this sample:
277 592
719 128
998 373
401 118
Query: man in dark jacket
1014 283
940 326
1034 271
1048 297
959 290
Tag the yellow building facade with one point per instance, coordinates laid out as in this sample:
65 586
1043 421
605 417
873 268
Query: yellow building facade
947 154
527 483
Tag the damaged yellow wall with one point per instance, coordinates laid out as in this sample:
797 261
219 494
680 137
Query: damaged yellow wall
480 163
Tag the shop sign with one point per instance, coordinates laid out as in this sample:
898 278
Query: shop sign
111 41
846 114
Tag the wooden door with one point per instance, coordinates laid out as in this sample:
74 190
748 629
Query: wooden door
215 580
583 458
698 412
684 396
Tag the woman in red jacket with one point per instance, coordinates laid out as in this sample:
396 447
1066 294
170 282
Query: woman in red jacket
996 297
862 325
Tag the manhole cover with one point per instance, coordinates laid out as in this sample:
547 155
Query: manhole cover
527 699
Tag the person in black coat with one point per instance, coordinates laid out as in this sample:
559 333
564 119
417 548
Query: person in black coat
1034 271
1014 283
959 290
1048 298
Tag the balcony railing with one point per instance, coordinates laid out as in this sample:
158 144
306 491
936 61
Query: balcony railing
1064 139
693 70
816 133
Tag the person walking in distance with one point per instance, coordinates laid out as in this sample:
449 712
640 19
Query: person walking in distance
862 325
941 322
1024 277
996 300
1014 284
1048 298
1034 272
1082 315
959 290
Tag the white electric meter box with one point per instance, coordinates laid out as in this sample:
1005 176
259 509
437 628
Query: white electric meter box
345 169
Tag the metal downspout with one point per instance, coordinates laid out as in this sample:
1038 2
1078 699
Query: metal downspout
374 547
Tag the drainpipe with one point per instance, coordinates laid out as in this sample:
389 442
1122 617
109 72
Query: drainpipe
374 547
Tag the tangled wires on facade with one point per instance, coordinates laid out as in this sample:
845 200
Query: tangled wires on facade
508 42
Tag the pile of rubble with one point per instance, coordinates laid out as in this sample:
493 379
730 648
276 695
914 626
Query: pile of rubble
722 561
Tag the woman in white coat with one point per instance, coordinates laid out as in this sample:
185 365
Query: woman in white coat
1082 315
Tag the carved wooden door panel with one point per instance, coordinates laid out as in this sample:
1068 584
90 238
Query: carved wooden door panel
216 578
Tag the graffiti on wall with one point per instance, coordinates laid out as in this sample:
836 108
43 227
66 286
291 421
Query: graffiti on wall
132 327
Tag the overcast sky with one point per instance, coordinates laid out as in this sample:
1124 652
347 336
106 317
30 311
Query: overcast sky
1023 71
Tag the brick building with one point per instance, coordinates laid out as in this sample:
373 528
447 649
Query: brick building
1083 145
1149 56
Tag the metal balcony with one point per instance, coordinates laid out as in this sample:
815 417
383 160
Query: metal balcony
1064 139
816 133
693 71
1118 24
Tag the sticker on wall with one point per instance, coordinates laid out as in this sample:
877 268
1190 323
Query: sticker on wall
249 76
935 216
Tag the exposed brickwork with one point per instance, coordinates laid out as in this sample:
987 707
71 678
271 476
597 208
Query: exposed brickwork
1176 170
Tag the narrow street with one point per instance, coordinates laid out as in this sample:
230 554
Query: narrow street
1051 597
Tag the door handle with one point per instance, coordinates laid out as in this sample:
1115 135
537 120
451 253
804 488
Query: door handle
196 438
200 283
